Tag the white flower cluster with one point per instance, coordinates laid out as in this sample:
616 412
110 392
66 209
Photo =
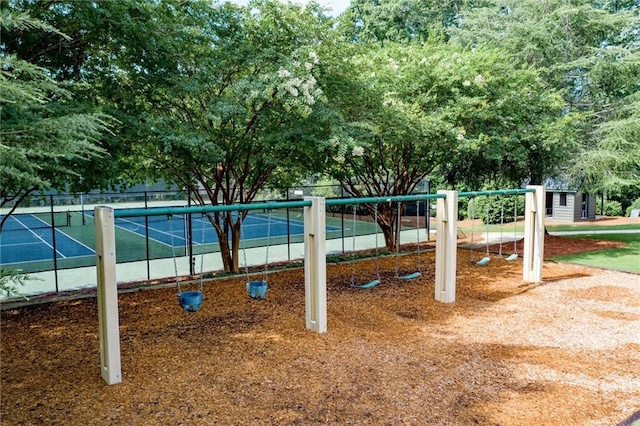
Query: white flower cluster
282 73
461 133
296 86
303 88
357 151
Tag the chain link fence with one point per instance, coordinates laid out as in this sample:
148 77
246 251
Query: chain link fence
52 237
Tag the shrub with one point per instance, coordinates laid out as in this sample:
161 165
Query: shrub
613 208
497 204
634 206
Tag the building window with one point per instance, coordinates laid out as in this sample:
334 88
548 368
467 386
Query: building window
563 199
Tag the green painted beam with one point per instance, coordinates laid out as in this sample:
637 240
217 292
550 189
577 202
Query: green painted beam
385 199
167 211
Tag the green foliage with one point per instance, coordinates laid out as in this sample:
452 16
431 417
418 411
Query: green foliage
398 20
588 51
219 99
634 206
613 208
498 209
11 280
440 106
44 138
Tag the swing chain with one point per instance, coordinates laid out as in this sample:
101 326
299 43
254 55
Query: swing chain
397 238
515 223
266 261
375 223
418 234
244 247
202 241
501 224
487 220
473 217
173 250
353 247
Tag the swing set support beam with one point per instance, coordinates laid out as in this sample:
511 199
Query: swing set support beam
446 247
533 234
108 318
315 261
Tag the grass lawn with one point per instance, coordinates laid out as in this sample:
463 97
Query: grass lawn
623 259
587 228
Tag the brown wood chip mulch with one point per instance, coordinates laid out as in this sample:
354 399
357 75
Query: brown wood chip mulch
562 352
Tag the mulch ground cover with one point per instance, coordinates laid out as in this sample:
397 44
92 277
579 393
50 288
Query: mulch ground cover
562 352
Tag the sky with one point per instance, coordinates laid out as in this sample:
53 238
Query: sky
336 6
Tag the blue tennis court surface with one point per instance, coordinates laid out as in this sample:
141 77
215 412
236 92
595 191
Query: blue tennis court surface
27 238
173 231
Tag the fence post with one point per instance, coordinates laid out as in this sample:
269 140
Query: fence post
315 265
534 213
108 321
54 244
446 246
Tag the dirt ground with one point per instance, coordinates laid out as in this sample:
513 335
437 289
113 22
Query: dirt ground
562 352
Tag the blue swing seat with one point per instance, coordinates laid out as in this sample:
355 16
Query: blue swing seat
369 284
483 261
513 256
190 301
411 276
257 289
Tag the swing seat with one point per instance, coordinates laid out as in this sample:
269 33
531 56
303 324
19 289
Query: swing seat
190 301
369 284
483 261
513 256
257 289
411 276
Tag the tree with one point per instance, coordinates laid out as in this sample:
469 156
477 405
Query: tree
384 21
225 97
43 138
72 56
589 51
411 110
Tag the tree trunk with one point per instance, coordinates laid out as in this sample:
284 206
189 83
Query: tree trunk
226 253
386 222
235 246
229 254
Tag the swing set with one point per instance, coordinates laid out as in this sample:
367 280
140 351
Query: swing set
418 271
378 279
315 240
487 258
257 289
191 301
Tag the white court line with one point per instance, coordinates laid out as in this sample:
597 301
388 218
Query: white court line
66 235
138 225
38 236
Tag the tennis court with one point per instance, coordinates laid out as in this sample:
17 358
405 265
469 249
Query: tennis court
27 241
29 237
173 231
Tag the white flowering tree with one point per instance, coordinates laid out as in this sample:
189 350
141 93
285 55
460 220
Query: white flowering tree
226 97
411 110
